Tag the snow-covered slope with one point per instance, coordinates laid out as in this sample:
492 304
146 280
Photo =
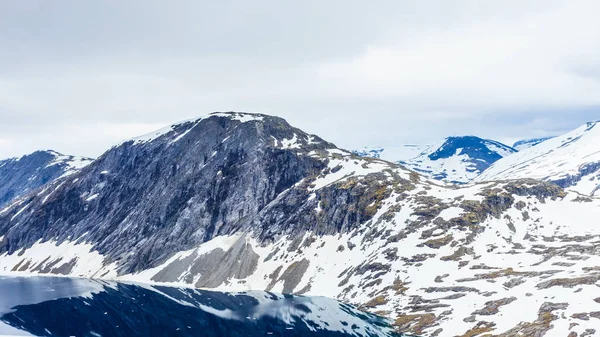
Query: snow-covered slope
571 161
527 143
458 159
19 176
242 201
393 153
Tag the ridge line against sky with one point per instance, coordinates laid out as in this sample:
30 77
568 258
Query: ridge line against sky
78 77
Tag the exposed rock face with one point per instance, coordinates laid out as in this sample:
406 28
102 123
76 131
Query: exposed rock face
144 200
19 176
244 201
586 170
213 268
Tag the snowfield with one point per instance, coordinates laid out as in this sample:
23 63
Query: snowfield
572 160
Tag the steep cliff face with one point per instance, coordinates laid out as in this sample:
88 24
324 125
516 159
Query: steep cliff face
150 197
19 176
244 201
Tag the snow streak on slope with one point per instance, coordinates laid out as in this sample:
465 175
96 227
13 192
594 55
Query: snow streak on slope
181 128
70 164
571 160
527 143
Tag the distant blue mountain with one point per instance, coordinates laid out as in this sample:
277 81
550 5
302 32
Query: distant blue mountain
372 153
483 152
459 159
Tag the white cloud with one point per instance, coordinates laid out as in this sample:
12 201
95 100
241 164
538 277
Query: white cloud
481 65
81 139
391 72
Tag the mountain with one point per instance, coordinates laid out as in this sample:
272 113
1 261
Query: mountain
370 153
458 159
184 184
238 201
571 161
527 143
19 176
393 153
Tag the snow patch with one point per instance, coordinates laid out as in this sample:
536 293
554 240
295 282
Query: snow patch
291 143
86 262
92 197
239 116
450 213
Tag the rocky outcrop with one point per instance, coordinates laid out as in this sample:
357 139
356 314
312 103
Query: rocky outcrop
586 171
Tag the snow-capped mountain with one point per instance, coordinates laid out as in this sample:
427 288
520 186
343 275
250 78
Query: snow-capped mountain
237 201
527 143
393 153
370 153
458 159
19 176
571 161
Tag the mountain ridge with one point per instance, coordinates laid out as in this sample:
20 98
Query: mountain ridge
240 201
570 160
19 176
80 198
527 143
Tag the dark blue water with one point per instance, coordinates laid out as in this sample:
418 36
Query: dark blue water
45 306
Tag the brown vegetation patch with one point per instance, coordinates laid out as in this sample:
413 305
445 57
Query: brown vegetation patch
437 243
414 323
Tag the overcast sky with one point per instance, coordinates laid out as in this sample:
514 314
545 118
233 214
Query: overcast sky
78 76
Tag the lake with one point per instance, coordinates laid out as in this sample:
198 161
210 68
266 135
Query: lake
50 306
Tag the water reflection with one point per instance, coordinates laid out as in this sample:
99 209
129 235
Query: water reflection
74 307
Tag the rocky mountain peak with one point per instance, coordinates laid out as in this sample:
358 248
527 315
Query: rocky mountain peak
185 184
272 131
